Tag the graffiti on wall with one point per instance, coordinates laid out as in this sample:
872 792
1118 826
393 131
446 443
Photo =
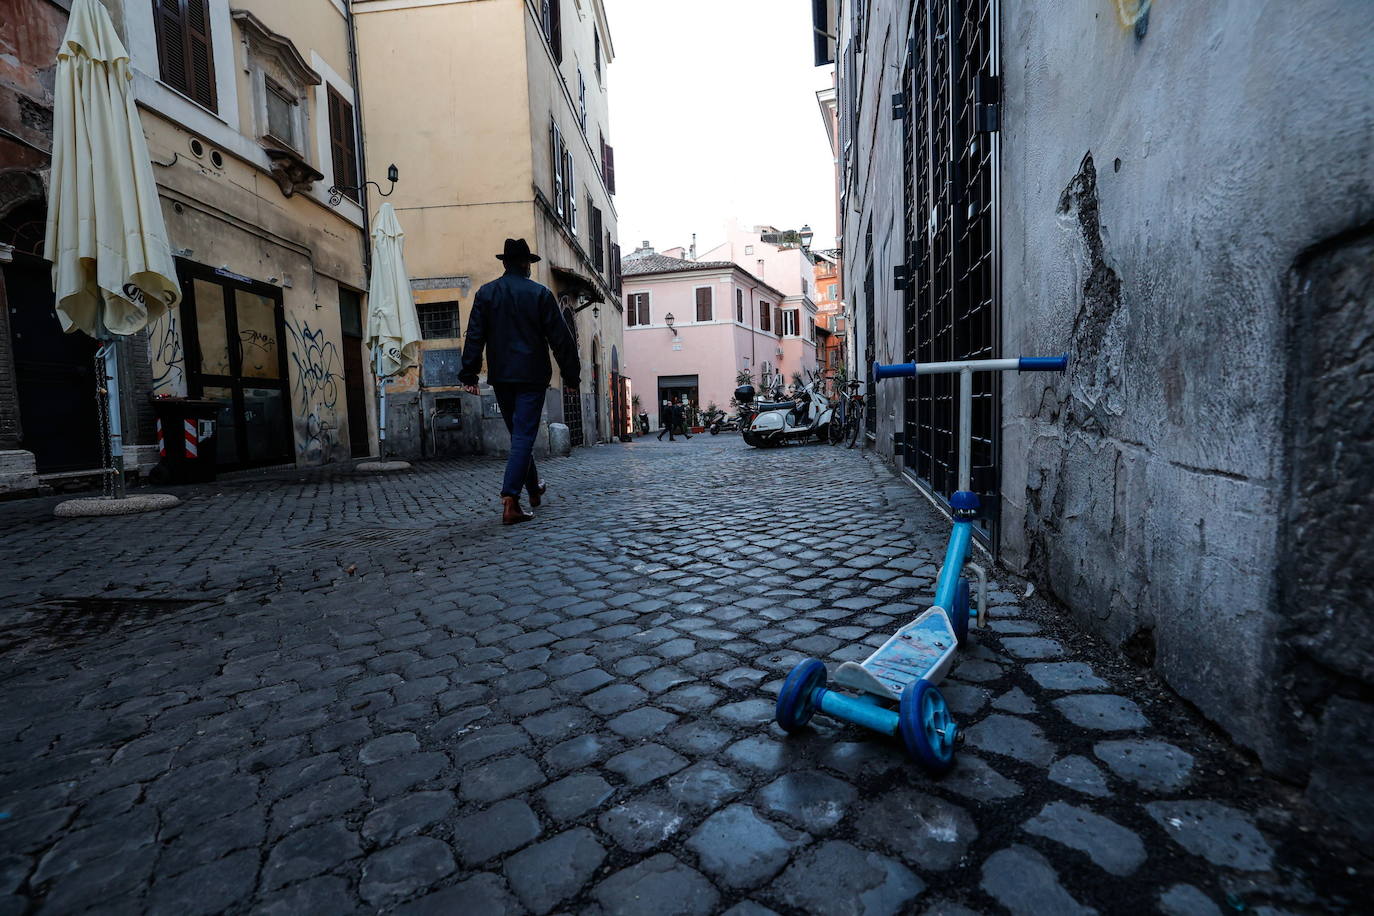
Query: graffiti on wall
316 383
167 356
1134 15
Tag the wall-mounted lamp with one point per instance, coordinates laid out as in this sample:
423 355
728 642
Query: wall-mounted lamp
806 235
668 320
393 175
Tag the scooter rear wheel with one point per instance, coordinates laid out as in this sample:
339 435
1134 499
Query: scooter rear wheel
927 728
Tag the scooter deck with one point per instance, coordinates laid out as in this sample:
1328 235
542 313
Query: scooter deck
923 648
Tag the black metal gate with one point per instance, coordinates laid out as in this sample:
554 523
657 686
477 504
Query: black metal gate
572 416
951 296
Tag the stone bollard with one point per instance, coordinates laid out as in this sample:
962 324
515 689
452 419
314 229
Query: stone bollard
560 440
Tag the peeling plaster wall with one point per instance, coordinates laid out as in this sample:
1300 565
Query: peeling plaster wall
1161 174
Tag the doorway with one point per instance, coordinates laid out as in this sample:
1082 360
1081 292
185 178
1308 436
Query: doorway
596 391
54 372
676 386
355 373
234 329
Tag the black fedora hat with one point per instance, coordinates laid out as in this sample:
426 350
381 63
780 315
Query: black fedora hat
518 250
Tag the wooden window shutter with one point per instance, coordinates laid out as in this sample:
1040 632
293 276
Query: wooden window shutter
343 145
556 157
185 55
616 278
200 55
764 315
610 169
739 305
171 44
704 303
556 29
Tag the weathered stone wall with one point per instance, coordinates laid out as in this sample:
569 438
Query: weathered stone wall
1162 170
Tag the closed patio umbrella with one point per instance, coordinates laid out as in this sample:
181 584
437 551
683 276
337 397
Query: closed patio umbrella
393 329
112 267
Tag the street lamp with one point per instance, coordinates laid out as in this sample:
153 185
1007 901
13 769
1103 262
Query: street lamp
668 320
806 235
393 175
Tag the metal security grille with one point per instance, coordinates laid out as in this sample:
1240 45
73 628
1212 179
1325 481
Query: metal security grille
438 320
572 416
950 223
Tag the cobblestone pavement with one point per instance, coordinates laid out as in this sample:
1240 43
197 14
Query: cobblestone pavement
330 693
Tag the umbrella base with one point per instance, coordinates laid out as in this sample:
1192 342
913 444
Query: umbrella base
373 467
96 506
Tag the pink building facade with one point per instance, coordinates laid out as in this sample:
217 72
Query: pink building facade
692 326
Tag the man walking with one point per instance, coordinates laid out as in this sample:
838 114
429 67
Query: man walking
667 420
680 417
518 321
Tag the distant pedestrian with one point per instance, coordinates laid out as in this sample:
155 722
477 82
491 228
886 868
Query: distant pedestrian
667 420
518 321
680 417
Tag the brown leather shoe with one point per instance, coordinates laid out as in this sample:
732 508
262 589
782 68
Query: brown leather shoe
537 494
513 513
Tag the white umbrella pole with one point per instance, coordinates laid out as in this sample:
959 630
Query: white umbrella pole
115 422
381 405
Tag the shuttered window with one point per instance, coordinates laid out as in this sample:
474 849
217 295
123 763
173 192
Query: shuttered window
598 240
553 26
185 55
765 316
608 166
739 306
777 321
790 323
704 303
582 101
616 278
343 145
557 154
638 310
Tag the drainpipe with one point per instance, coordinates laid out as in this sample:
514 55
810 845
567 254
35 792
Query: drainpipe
362 143
352 27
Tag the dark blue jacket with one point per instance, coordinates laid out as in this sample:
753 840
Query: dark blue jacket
518 321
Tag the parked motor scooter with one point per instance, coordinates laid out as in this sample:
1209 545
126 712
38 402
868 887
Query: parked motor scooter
807 414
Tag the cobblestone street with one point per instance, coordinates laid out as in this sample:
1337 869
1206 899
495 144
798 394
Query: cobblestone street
334 693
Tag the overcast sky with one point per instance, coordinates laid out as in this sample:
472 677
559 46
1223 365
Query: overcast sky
714 115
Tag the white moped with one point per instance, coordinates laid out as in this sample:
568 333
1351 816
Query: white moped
806 414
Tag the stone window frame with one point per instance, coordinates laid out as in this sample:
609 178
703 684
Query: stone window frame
271 56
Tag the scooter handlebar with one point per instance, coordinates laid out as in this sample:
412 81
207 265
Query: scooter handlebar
1021 364
1043 363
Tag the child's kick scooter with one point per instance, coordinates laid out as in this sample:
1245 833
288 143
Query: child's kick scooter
906 668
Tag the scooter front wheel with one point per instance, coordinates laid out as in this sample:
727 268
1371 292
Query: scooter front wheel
959 614
796 704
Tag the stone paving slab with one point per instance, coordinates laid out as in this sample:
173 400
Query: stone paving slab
330 692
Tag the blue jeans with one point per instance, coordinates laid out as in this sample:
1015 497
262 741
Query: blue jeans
521 406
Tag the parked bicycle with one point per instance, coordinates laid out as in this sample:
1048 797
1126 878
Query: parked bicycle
849 414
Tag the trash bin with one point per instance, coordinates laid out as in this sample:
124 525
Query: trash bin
186 432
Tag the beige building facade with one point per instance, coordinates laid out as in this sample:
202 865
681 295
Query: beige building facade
248 110
503 137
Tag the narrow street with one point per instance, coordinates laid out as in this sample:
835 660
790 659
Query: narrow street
330 693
